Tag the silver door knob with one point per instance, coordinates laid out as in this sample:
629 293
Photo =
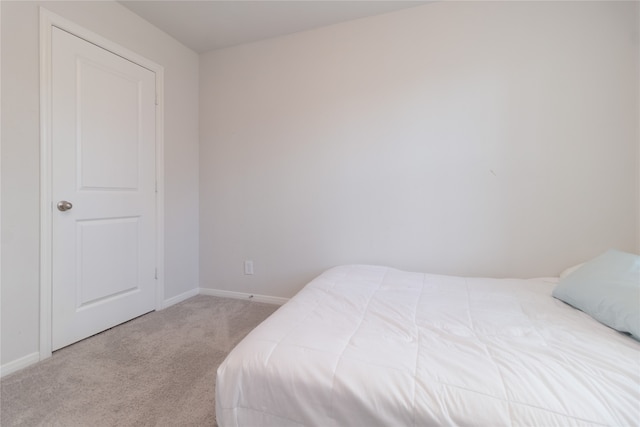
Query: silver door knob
63 205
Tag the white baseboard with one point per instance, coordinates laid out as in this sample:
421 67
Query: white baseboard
241 295
16 365
179 298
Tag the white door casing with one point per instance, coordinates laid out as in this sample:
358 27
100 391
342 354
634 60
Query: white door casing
102 151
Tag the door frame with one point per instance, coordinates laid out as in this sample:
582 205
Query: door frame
48 20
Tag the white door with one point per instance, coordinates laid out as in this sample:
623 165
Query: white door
103 188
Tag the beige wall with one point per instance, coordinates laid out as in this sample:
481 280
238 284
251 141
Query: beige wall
470 138
20 155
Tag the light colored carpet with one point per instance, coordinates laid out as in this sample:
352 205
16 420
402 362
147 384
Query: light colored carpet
156 370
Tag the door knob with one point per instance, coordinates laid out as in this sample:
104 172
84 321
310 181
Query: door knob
63 205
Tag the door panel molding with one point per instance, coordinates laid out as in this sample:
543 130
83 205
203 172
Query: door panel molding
48 20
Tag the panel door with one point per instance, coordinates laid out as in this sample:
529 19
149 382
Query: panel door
104 189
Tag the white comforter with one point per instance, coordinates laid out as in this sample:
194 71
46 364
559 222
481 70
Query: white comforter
368 345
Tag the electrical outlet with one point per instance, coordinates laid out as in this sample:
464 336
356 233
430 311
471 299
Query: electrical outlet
248 267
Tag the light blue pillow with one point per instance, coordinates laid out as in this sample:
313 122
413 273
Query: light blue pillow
608 289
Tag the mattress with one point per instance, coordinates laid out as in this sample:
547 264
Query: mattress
375 346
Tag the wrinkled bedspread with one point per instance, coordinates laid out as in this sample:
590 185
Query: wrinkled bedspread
370 345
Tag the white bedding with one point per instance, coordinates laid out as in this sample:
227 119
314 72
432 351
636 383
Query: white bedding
369 345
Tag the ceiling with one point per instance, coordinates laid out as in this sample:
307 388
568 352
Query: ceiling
215 24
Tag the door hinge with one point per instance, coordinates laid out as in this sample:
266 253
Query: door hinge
157 101
156 274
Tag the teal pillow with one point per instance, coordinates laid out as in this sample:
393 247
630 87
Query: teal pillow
608 289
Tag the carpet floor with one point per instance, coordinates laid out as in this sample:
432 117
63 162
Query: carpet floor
156 370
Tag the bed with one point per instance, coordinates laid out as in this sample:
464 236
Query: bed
375 346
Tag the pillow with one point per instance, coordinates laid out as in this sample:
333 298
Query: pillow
608 289
570 270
